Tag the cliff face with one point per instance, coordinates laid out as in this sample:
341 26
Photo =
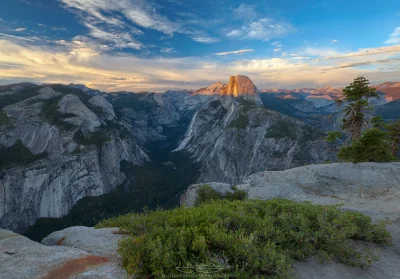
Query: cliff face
233 138
56 149
238 87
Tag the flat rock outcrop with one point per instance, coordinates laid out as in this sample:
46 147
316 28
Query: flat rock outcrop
22 258
372 188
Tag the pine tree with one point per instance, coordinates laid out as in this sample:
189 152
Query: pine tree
357 94
393 130
372 146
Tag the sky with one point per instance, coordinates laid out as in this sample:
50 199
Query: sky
159 45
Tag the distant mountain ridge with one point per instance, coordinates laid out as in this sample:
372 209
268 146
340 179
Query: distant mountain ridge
390 90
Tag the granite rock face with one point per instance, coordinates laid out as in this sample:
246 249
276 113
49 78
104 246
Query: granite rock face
56 126
233 138
238 86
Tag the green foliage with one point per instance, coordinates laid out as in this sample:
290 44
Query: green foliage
18 96
52 115
357 94
283 129
138 102
247 239
378 122
237 195
393 131
371 147
333 137
206 194
241 122
17 155
97 138
4 119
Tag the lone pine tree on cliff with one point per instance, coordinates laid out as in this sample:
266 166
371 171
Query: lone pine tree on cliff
371 145
357 94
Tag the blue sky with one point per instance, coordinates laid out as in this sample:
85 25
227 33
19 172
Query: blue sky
185 44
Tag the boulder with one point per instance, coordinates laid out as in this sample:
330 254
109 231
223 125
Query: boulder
22 258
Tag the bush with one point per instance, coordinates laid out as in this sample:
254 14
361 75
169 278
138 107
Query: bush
371 147
206 194
4 119
241 122
283 129
53 116
250 239
97 138
17 155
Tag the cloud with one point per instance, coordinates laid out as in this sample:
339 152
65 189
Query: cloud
365 63
264 29
319 52
127 20
20 29
205 40
245 12
277 49
139 12
276 44
167 50
331 54
120 39
334 41
81 60
394 38
234 52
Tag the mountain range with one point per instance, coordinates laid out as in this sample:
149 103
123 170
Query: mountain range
61 144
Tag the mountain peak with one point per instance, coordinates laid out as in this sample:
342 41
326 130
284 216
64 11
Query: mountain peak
240 86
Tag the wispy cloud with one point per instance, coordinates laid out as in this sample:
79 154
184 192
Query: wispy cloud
334 41
264 29
167 50
234 52
394 38
246 12
362 52
364 63
127 20
205 40
276 44
277 49
20 29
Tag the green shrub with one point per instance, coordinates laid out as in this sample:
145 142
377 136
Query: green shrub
250 239
241 122
371 147
53 116
17 155
18 96
237 195
97 138
206 194
283 129
4 119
